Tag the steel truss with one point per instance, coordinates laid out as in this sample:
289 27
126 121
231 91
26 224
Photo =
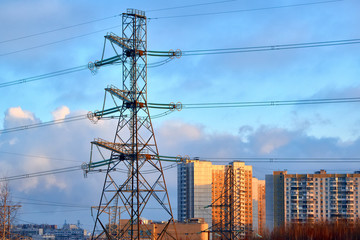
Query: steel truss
134 146
228 205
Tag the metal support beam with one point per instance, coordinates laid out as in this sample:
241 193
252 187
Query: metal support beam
136 192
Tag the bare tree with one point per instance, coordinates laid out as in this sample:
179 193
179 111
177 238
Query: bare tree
8 211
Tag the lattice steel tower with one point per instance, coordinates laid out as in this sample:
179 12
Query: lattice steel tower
133 154
230 224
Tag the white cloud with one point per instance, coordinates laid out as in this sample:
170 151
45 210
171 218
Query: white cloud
177 131
18 113
268 139
57 146
34 165
264 141
60 112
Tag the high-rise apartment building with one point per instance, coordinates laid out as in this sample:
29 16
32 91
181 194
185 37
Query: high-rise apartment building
221 194
258 204
195 190
312 197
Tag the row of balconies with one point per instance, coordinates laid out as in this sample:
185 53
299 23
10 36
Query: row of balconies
342 197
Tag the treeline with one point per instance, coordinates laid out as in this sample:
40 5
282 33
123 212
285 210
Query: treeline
315 231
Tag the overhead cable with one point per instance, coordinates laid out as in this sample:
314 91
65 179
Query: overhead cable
44 76
211 159
58 29
59 41
271 103
245 10
286 159
191 5
38 156
51 203
66 170
179 106
197 52
44 124
271 47
105 18
54 211
42 173
66 71
67 120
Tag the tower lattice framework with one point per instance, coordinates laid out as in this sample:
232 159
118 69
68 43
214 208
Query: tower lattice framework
228 205
134 182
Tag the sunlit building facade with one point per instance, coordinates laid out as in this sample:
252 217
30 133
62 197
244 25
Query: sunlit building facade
258 203
194 190
210 191
149 230
314 197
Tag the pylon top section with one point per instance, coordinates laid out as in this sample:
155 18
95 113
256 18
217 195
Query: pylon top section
138 13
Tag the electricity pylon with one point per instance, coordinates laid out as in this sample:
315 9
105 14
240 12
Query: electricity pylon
228 224
133 154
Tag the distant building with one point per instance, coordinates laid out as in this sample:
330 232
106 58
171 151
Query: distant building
258 201
50 232
210 191
315 197
192 229
274 198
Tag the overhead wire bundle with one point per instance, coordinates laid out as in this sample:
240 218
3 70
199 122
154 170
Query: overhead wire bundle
183 53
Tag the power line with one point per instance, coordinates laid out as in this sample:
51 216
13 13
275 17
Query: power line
59 41
54 205
288 160
42 173
105 18
274 159
57 211
65 71
58 29
66 170
270 103
195 106
21 220
38 156
188 6
283 158
194 53
66 120
246 10
44 124
271 47
211 159
44 76
49 202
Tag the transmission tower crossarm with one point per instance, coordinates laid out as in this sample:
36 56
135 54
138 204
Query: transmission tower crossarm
121 94
105 112
116 147
100 163
122 42
108 61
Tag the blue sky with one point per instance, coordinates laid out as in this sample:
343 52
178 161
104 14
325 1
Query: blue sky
308 131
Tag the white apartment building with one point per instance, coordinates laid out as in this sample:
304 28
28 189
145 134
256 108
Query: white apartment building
313 197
